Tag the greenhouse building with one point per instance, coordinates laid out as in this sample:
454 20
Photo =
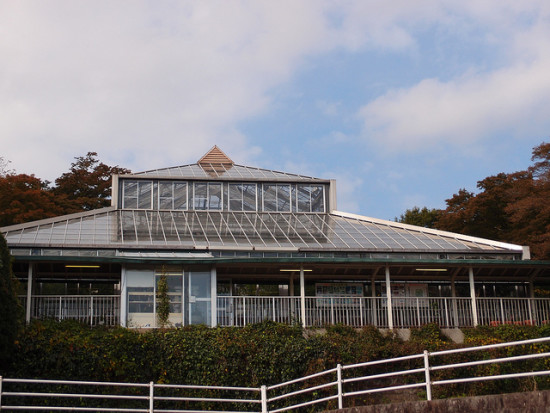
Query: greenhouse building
238 244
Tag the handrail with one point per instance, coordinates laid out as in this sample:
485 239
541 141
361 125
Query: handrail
272 404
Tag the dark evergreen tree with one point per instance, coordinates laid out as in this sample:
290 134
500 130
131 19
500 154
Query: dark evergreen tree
10 309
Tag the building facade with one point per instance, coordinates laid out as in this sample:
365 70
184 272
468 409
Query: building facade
239 244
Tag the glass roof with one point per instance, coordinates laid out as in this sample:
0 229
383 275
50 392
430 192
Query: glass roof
223 171
216 230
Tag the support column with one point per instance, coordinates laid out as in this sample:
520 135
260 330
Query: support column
454 304
373 303
214 297
29 293
388 298
123 297
302 296
473 296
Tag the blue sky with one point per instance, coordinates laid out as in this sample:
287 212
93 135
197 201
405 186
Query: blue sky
402 102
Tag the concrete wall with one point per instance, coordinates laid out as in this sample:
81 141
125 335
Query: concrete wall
528 402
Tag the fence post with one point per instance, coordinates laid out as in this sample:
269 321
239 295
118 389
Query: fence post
427 373
263 392
91 311
339 378
151 396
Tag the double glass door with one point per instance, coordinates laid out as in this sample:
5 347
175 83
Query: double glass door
189 294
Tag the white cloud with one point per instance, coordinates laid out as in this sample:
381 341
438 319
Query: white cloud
150 84
478 104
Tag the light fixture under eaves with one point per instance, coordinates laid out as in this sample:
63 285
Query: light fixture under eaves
431 269
296 270
82 266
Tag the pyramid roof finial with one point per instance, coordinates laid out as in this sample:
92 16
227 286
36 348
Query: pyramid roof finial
215 156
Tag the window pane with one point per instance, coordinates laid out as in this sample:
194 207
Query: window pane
130 188
304 198
283 198
165 189
235 197
270 197
249 197
215 196
180 195
144 195
317 198
200 196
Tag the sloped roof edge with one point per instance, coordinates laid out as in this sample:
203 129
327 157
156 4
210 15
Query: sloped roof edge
59 218
432 231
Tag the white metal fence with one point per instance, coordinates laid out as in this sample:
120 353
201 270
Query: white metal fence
90 309
331 386
407 312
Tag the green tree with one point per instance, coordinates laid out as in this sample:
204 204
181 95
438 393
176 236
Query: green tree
163 300
421 217
10 309
88 182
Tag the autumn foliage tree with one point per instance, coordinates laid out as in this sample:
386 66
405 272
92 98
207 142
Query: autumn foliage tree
88 182
510 207
27 198
86 186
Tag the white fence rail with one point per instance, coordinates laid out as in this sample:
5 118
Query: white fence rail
90 309
337 385
407 312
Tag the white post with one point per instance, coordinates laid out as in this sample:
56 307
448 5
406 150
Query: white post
29 293
339 378
473 295
213 297
427 374
151 396
455 307
388 298
302 296
374 305
263 392
123 297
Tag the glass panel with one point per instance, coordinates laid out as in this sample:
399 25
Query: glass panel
130 195
180 195
249 197
144 195
200 284
215 196
304 198
283 198
200 312
200 196
317 198
235 197
270 197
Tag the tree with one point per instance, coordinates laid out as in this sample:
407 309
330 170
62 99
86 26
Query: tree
27 198
163 300
421 217
10 309
88 182
510 207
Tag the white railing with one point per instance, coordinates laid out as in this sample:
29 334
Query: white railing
85 396
340 383
242 310
407 312
91 309
337 384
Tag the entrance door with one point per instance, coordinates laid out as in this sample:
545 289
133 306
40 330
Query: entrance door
199 297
